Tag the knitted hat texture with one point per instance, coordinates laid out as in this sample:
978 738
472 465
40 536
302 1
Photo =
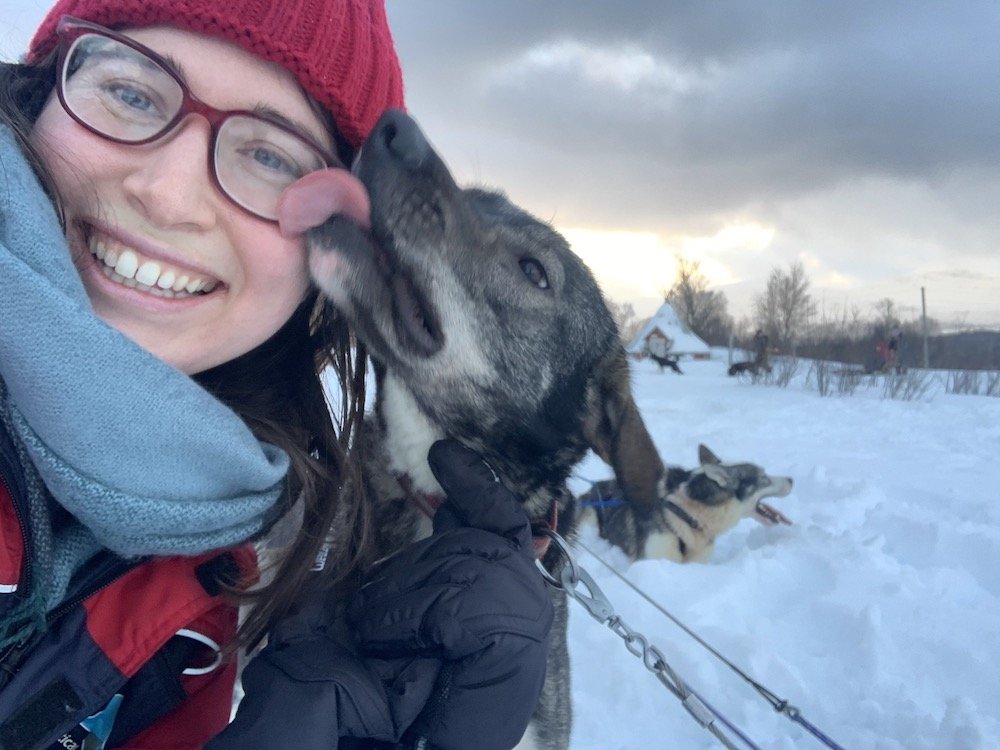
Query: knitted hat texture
341 51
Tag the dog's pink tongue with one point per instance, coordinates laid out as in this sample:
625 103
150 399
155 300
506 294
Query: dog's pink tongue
310 201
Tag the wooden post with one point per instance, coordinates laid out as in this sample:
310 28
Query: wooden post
923 305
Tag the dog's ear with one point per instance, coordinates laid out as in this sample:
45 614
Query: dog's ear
705 456
719 475
616 432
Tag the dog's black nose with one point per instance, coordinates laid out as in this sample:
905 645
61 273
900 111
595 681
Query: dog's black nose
401 137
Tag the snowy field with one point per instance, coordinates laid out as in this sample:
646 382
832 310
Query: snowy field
877 613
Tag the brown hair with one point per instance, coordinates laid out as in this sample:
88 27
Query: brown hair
277 390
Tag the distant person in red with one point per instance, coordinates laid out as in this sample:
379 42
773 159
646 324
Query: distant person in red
888 350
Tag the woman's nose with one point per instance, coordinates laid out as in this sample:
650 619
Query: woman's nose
171 183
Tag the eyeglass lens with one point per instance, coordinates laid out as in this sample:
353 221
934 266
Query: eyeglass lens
122 94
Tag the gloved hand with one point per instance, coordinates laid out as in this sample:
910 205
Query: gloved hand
471 595
446 641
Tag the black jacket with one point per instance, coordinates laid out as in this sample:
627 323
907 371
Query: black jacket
444 645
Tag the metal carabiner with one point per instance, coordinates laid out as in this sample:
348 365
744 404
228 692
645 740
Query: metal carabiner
595 602
572 576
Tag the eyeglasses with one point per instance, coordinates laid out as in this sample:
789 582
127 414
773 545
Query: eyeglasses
122 91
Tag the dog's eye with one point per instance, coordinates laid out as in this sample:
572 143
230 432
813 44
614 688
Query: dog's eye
535 273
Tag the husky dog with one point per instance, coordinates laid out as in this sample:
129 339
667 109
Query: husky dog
666 361
698 506
484 327
751 367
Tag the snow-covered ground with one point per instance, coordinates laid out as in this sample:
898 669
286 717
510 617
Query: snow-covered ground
877 613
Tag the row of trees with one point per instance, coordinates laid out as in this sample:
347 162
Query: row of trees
787 313
783 311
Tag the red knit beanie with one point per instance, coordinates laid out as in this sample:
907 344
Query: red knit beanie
341 51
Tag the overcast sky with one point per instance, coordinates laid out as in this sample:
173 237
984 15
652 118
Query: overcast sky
861 138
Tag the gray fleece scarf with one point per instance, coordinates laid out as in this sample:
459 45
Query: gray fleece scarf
145 461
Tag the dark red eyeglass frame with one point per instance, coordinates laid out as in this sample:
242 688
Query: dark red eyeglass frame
69 29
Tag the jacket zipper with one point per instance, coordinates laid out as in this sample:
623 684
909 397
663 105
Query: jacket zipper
10 662
100 581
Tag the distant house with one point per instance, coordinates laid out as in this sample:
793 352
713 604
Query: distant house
665 333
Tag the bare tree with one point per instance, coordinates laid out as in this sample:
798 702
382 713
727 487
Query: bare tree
700 309
784 308
886 315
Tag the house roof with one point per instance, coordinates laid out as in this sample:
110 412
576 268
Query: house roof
668 324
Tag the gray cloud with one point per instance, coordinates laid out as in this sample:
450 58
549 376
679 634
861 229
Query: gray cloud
867 134
791 96
808 115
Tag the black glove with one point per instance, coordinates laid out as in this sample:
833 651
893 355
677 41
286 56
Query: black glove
471 595
450 638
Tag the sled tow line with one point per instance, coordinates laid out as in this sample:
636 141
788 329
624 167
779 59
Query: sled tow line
600 608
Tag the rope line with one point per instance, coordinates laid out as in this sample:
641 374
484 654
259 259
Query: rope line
732 727
780 705
571 578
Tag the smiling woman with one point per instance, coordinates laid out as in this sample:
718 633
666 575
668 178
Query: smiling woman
148 207
122 475
162 417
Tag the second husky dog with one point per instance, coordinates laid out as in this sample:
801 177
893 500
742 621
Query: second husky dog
699 505
484 327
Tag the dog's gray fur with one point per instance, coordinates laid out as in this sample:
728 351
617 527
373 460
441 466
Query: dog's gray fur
483 327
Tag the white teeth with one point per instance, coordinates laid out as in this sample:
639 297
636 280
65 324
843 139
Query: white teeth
166 280
148 273
127 265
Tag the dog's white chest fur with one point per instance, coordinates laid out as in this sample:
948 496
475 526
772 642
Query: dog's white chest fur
409 434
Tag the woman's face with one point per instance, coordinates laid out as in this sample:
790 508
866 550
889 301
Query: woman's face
158 201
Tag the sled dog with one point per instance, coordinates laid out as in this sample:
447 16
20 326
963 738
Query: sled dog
666 361
484 327
698 505
751 367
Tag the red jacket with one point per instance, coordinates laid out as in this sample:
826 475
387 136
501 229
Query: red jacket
137 629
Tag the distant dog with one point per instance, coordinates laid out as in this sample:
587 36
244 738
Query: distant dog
666 361
699 505
749 368
483 326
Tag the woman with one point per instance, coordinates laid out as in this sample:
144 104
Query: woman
160 403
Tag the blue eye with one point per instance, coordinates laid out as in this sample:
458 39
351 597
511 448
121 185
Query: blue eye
268 159
130 96
273 161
